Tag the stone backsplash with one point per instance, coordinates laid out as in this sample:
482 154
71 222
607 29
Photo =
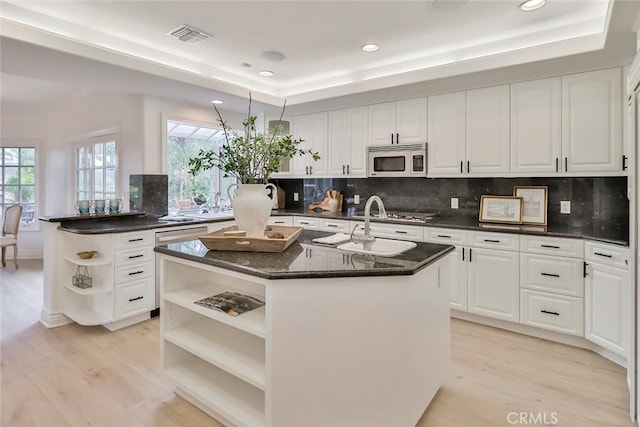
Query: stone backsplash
594 201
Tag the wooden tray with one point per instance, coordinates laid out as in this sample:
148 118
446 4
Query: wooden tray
217 241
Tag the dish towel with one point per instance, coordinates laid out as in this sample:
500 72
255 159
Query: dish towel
334 239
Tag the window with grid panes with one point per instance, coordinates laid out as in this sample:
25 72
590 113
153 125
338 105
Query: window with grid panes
18 181
96 168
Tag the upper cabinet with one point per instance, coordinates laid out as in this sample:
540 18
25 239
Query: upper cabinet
313 129
273 125
591 121
402 122
488 130
536 127
446 142
348 134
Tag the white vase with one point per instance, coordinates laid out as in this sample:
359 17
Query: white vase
251 207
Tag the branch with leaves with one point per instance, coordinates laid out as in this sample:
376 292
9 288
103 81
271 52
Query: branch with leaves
251 158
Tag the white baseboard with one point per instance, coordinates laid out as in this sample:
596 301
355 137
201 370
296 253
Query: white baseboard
53 320
31 254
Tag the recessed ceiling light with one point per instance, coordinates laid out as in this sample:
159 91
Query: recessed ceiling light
531 5
217 101
265 73
369 47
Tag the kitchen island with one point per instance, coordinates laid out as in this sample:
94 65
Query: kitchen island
343 339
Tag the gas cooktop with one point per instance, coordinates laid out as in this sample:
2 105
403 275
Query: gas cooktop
403 216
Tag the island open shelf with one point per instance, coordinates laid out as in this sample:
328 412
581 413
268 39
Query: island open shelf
364 343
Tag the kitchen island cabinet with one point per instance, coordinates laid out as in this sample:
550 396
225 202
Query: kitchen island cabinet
323 350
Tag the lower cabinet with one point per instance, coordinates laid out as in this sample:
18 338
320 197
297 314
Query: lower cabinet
456 276
554 312
606 300
494 289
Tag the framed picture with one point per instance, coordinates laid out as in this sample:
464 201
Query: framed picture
534 210
501 209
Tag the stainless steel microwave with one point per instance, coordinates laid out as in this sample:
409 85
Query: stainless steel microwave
397 160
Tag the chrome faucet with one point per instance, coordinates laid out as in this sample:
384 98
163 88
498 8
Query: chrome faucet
367 239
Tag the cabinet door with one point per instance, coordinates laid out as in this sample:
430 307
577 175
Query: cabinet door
338 131
312 128
411 121
456 276
606 313
446 137
494 288
591 121
488 130
346 152
356 145
536 131
382 123
273 124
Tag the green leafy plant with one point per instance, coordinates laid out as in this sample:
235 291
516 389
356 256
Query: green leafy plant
251 157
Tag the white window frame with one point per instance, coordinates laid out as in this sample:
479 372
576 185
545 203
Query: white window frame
35 144
89 141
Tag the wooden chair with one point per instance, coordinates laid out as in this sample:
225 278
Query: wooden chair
9 236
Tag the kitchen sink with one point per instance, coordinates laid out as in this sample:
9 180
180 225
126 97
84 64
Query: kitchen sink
380 247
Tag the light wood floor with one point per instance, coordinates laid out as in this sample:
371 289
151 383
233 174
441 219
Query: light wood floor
80 376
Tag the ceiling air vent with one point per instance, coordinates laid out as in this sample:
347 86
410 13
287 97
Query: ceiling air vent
187 34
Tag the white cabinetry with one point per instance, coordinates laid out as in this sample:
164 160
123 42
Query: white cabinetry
306 223
281 220
92 305
312 128
488 130
134 274
394 231
494 275
607 295
348 139
211 356
457 274
536 128
274 125
401 122
446 142
591 121
552 284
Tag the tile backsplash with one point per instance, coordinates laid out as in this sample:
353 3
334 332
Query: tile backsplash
593 200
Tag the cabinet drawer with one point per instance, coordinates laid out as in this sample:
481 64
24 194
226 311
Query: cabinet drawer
505 242
134 272
552 274
555 312
616 256
336 225
552 246
306 223
281 220
445 235
135 239
394 231
133 299
125 258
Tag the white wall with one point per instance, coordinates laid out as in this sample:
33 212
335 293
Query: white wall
80 118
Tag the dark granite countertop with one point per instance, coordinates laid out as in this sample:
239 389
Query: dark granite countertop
305 259
122 223
599 232
78 217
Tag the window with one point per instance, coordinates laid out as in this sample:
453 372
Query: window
185 140
96 168
18 181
